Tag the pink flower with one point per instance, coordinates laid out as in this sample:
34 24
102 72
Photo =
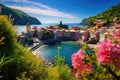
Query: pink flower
77 60
116 56
109 53
80 65
103 54
88 68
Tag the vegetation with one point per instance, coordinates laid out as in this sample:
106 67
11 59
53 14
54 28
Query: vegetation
20 18
48 35
107 16
102 63
18 63
61 71
16 60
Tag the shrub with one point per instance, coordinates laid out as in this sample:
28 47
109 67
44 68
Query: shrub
8 33
105 60
15 59
60 71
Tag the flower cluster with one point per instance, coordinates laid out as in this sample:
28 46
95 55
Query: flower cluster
109 53
78 62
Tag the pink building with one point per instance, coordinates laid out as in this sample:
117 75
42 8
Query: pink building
78 35
68 34
73 35
60 33
86 36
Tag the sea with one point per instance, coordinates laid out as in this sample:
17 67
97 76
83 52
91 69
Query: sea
21 28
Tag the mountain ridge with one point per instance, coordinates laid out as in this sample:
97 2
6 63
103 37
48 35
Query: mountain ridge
20 17
107 16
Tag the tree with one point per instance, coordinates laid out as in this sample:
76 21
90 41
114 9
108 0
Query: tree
47 35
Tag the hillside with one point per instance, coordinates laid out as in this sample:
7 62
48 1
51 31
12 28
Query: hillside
20 18
108 16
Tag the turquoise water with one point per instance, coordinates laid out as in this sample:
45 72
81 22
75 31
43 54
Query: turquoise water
67 49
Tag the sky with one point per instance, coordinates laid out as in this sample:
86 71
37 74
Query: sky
54 11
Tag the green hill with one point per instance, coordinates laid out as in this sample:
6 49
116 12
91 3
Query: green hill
20 18
108 16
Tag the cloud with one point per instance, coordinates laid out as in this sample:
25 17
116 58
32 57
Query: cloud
39 8
43 12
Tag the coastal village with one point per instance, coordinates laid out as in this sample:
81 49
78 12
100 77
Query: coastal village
30 50
55 34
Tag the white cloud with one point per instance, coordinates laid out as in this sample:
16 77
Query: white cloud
43 12
39 8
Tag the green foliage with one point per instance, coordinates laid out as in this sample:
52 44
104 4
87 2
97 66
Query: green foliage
1 40
34 66
23 77
61 71
15 59
17 62
5 60
88 21
59 60
47 35
20 17
7 35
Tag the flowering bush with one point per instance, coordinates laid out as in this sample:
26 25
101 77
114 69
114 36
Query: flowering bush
103 63
109 53
79 64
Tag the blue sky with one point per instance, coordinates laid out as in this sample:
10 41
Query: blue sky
68 11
